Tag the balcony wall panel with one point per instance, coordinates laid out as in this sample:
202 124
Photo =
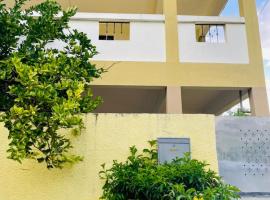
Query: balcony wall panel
146 43
234 50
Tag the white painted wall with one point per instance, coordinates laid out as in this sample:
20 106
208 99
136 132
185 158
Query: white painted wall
147 37
234 50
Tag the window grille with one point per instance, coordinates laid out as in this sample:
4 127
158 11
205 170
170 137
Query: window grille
114 30
210 33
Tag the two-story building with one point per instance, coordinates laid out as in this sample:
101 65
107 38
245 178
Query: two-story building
174 56
164 58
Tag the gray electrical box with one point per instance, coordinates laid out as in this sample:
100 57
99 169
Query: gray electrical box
171 148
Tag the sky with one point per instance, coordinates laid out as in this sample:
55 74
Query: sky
263 10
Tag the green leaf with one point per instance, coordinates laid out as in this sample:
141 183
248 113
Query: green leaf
41 89
141 177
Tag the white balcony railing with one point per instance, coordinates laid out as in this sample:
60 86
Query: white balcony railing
146 41
232 49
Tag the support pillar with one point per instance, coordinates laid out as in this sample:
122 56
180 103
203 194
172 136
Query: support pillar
173 100
247 9
257 95
258 101
171 30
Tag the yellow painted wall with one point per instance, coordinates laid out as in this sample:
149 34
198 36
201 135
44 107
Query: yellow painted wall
107 137
181 74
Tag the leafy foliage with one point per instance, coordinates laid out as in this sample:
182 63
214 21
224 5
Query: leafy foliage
43 89
141 177
240 113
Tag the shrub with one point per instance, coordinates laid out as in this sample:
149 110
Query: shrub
140 177
43 89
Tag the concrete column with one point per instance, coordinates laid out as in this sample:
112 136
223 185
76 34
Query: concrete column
257 95
258 101
241 8
173 100
247 9
171 30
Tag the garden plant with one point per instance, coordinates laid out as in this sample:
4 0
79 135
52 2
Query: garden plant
141 177
44 87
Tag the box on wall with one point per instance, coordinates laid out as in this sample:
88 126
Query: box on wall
172 148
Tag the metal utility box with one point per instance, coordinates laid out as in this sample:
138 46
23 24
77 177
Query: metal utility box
171 148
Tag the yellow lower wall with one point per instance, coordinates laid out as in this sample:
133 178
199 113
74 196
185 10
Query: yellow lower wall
181 74
107 137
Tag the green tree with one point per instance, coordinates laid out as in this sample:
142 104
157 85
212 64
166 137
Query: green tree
44 89
141 177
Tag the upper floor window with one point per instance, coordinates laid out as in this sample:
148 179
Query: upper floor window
210 33
114 30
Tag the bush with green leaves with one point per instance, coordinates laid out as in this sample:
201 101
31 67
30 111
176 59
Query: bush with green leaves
140 177
240 113
43 89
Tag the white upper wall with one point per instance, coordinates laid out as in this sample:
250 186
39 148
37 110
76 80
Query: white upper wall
234 50
147 37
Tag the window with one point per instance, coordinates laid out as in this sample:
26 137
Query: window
114 30
210 33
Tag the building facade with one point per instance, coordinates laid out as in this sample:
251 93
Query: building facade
164 58
174 56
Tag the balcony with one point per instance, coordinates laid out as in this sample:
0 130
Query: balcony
224 38
146 40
